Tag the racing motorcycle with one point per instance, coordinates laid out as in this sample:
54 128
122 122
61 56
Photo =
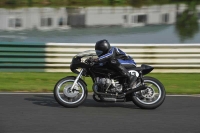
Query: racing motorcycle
108 84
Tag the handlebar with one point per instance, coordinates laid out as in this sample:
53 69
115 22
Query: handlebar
76 63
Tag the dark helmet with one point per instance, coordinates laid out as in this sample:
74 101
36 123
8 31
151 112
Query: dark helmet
102 47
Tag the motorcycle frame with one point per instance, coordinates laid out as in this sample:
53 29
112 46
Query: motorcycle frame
86 70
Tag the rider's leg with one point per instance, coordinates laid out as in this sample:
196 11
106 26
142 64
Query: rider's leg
123 71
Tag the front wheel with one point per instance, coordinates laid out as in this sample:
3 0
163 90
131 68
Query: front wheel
67 97
152 97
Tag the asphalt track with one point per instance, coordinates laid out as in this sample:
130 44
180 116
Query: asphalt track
39 113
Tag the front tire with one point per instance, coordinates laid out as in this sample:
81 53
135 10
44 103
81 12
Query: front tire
152 97
67 98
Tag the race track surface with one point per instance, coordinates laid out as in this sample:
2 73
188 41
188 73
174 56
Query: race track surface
39 113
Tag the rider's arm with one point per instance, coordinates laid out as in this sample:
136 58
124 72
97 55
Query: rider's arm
107 56
120 52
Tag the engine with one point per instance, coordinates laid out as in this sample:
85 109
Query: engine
109 85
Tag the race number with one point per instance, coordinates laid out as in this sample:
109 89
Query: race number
134 73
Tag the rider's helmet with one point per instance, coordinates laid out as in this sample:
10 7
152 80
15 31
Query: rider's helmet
102 47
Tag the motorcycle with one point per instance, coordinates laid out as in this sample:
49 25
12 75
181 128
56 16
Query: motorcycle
108 84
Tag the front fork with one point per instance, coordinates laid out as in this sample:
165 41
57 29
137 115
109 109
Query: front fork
76 80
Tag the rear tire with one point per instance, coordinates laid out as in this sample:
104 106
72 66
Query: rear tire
67 98
152 97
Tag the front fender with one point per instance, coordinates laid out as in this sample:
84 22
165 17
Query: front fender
74 77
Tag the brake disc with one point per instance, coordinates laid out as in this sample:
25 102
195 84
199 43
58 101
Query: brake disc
67 91
148 93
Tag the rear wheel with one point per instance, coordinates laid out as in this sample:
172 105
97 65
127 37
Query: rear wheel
152 97
67 97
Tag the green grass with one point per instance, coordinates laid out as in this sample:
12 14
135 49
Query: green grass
85 3
44 82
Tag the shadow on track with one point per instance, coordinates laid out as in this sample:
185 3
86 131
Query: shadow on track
43 100
49 101
92 103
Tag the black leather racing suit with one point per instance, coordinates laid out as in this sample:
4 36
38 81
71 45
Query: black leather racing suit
118 60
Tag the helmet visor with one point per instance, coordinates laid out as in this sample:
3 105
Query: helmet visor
99 52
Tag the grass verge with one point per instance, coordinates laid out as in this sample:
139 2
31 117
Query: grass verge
44 82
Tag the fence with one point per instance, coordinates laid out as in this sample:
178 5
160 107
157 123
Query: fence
56 57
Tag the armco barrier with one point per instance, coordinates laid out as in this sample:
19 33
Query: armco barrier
56 57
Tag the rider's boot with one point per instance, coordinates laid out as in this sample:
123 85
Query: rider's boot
131 78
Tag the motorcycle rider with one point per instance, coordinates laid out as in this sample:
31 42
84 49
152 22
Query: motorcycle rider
116 59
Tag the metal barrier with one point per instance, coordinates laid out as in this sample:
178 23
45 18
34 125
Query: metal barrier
56 57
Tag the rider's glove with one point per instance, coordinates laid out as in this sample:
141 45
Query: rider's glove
95 60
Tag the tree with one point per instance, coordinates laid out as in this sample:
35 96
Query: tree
137 3
187 23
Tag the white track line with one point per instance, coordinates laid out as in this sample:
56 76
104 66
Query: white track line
23 93
195 95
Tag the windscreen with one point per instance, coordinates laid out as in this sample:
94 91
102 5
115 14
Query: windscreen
87 53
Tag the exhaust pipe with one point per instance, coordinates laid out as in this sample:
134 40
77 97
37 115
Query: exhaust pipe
95 87
113 100
143 87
